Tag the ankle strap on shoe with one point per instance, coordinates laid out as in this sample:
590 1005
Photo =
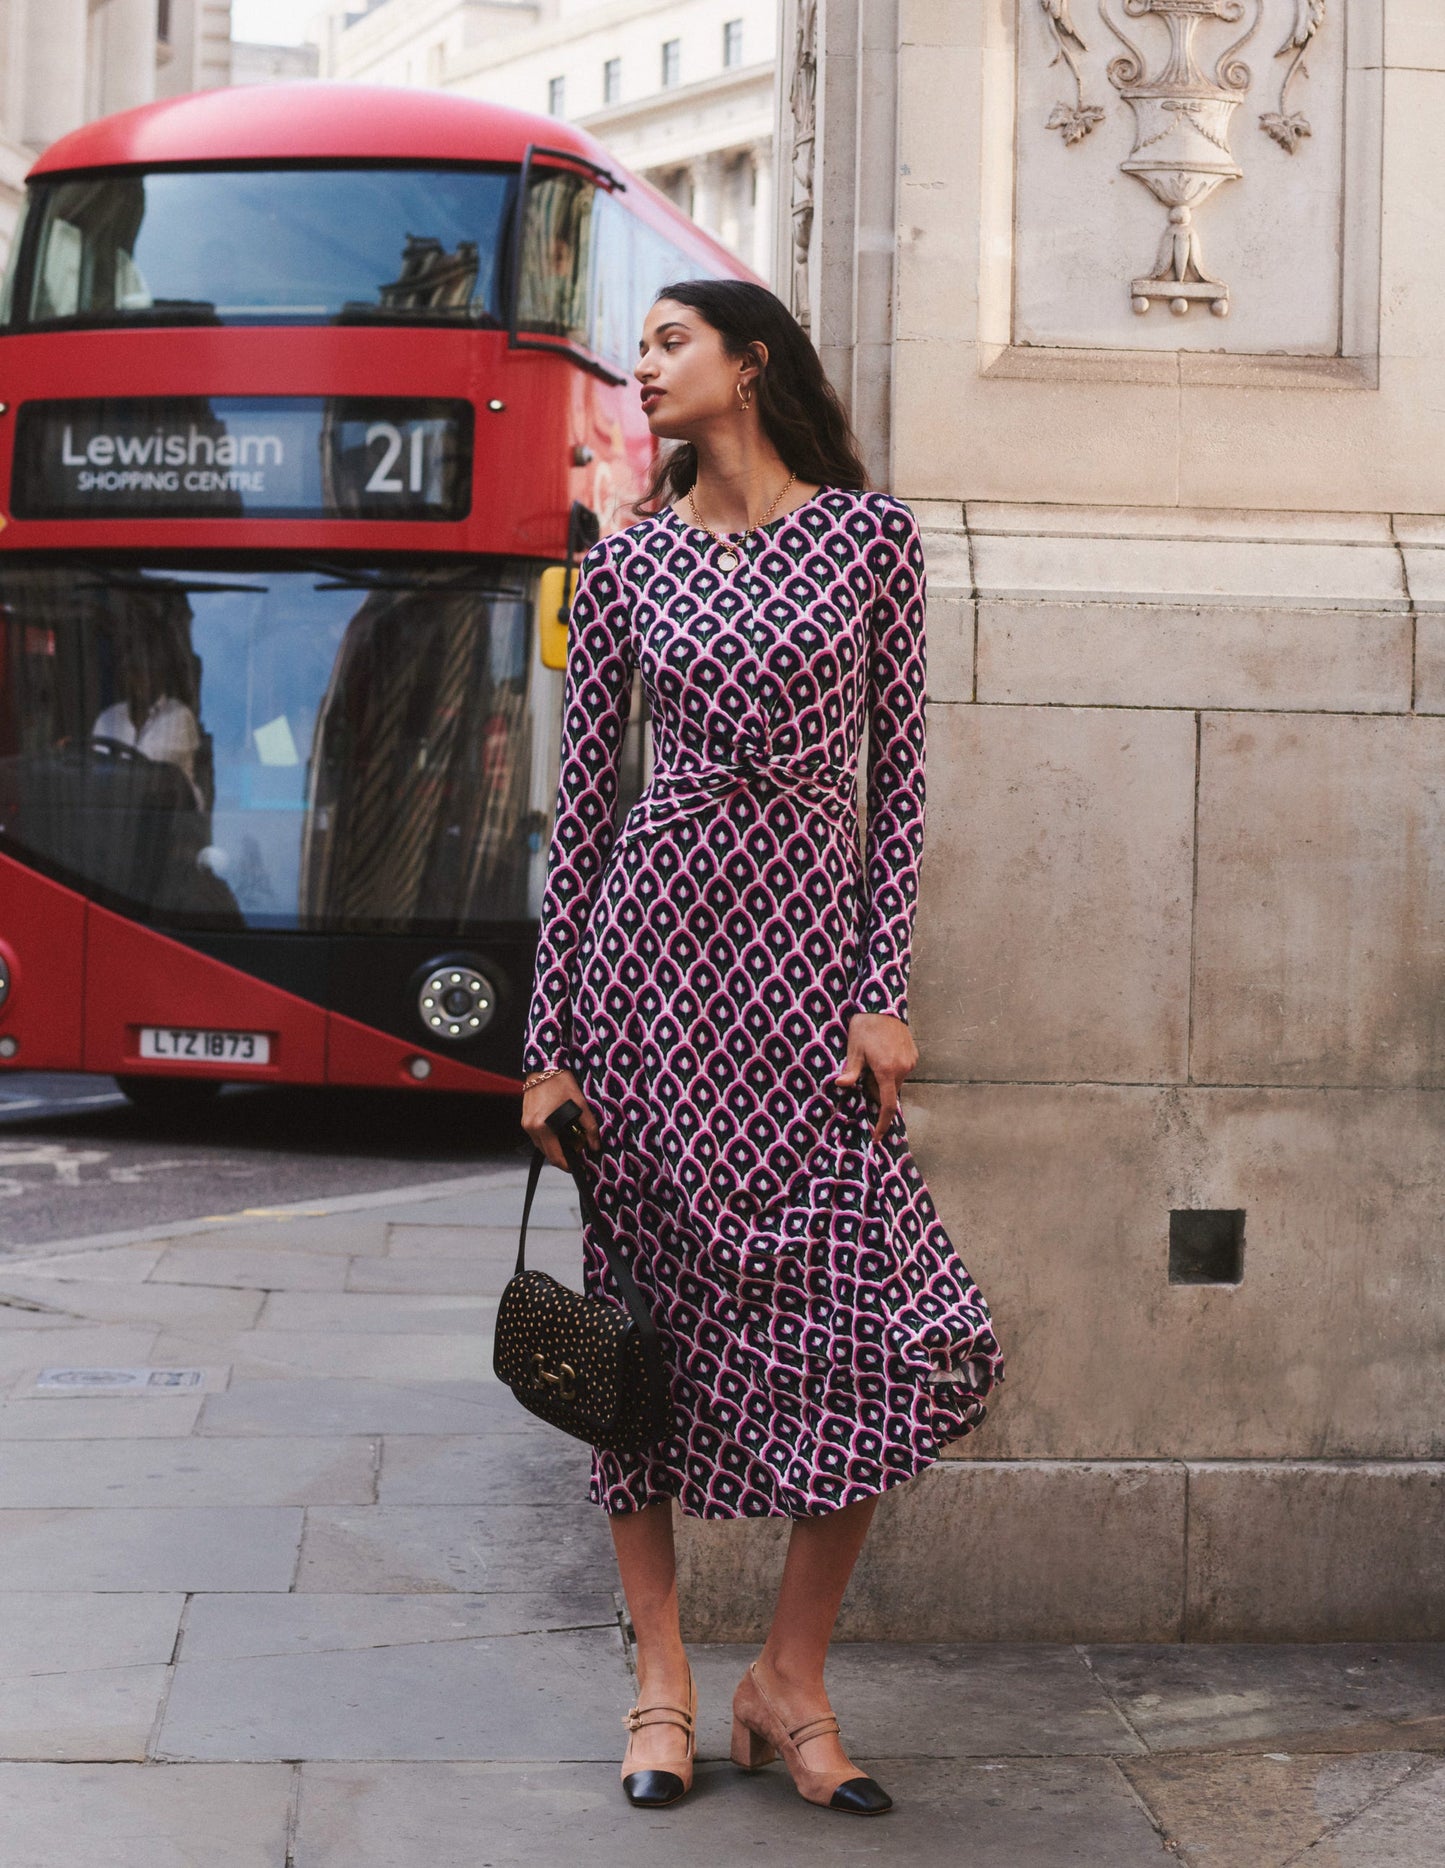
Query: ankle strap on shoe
827 1723
634 1717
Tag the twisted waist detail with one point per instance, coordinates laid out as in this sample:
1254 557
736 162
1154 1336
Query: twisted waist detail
674 792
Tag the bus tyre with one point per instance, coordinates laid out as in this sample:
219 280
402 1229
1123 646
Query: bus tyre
171 1096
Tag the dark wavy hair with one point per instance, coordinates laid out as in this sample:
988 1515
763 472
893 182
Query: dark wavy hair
800 410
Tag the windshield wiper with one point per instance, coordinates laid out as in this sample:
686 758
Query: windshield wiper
116 577
163 311
440 579
466 317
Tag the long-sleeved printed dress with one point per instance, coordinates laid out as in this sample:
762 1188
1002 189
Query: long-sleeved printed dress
697 970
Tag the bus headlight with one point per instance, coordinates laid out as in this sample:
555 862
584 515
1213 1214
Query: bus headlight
4 980
456 1001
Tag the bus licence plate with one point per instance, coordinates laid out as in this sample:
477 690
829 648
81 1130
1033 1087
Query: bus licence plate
205 1047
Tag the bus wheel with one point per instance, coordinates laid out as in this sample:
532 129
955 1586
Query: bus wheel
171 1096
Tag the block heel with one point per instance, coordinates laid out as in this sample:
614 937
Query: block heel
751 1751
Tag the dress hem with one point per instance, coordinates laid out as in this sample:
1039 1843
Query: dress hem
891 1480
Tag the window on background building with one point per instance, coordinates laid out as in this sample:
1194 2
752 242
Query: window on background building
612 81
671 61
163 21
436 61
732 42
556 96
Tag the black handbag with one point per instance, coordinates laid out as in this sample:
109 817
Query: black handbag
585 1364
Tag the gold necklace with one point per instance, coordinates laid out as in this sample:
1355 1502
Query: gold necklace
731 557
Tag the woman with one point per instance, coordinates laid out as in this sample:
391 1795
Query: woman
721 985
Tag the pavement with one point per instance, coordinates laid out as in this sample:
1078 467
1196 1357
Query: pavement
288 1580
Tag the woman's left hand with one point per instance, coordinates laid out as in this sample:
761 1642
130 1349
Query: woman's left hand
880 1047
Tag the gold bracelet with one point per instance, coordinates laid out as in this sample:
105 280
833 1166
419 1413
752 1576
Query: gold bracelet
541 1076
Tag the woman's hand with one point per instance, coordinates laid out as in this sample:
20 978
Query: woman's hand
539 1102
882 1051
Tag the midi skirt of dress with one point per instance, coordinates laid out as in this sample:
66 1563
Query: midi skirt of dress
697 969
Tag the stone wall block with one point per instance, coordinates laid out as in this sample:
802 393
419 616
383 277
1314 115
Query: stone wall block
1043 1551
1058 1200
958 433
1298 1552
1320 929
1430 664
1201 655
952 623
1054 925
1264 572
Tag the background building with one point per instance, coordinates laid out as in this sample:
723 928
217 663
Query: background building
254 62
681 91
63 62
1150 339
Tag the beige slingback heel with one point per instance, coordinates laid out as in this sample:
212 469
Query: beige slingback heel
652 1787
759 1735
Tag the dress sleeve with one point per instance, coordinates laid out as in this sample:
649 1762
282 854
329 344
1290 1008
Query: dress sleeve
897 682
596 700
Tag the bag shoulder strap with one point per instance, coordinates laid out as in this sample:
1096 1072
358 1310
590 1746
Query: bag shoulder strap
560 1122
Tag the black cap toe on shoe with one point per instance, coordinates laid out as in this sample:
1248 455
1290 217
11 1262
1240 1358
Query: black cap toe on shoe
651 1788
861 1796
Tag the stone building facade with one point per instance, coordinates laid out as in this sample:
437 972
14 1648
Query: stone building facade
1141 309
680 90
64 62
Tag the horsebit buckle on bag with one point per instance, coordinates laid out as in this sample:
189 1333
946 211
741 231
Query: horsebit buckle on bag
565 1381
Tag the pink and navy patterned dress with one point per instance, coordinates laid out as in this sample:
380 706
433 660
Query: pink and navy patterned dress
697 969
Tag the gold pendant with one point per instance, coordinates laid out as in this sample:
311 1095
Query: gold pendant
729 559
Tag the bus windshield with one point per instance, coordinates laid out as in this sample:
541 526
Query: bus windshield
335 748
262 246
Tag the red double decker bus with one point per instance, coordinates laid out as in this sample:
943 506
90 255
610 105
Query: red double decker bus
308 394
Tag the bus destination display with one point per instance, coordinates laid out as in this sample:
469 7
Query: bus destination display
280 457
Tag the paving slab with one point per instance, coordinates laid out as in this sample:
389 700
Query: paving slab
85 1714
58 1631
520 1696
1268 1812
343 1234
116 1264
435 1356
100 1300
444 1241
482 1469
1346 1695
917 1700
244 1626
501 1209
494 1547
100 1417
109 1473
1035 1813
352 1406
73 1345
1403 1829
144 1816
471 1276
148 1549
19 1313
398 1314
252 1267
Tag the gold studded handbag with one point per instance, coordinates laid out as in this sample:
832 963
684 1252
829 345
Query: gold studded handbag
592 1367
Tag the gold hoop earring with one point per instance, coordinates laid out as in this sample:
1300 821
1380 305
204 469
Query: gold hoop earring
743 397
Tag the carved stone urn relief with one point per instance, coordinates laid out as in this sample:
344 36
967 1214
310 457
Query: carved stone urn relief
1181 143
1180 67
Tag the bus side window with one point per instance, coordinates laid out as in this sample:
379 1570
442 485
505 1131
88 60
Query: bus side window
555 272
